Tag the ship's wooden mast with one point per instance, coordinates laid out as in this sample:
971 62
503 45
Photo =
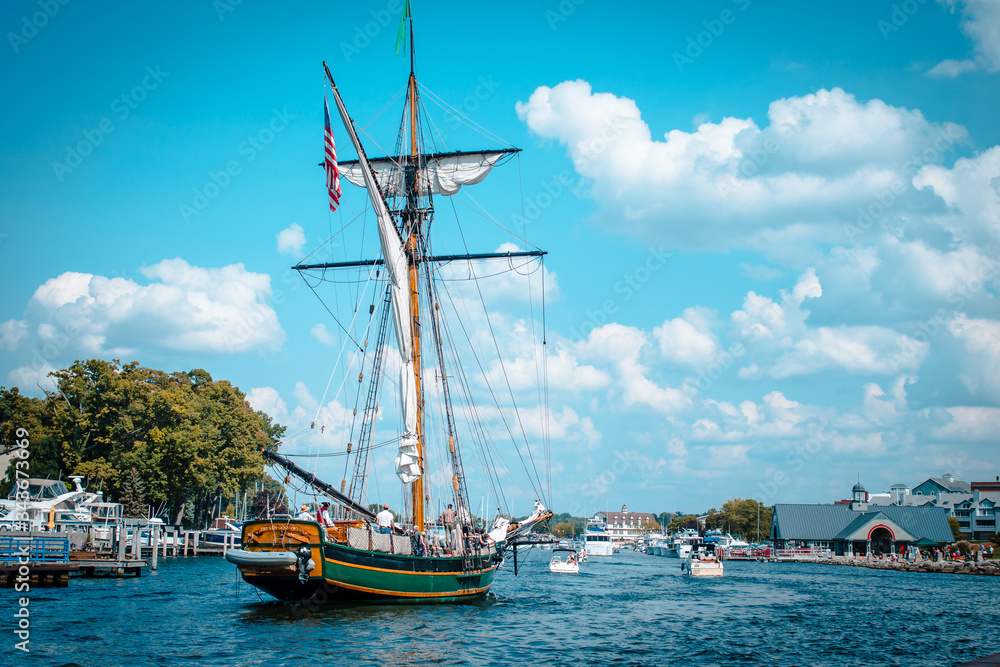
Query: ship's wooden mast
414 220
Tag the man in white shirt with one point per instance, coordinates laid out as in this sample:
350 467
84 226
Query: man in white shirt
304 514
384 519
324 514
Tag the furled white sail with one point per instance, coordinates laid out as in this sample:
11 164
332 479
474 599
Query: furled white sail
407 460
441 174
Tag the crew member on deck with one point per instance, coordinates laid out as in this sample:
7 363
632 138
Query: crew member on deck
304 514
324 514
448 519
385 521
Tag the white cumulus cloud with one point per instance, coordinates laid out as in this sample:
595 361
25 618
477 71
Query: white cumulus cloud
981 23
734 183
182 308
291 240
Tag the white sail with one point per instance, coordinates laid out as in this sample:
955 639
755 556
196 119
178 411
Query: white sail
444 174
407 460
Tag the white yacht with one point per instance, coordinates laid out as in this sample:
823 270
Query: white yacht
596 540
683 544
50 502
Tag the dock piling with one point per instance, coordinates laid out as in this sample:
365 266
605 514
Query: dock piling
154 535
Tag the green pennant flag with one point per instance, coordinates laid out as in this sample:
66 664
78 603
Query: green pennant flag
401 33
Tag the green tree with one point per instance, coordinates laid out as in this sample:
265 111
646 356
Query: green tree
740 517
715 521
134 495
563 529
193 441
579 524
679 523
956 528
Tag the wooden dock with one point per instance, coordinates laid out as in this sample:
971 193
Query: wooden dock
39 575
53 556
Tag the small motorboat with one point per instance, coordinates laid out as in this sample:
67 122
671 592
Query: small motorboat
702 565
564 561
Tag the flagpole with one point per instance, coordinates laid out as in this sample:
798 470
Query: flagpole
410 12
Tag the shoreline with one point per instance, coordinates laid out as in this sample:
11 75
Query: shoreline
983 568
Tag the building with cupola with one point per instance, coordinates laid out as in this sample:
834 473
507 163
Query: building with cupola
858 527
624 526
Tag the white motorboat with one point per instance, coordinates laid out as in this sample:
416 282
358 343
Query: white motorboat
45 503
564 561
702 565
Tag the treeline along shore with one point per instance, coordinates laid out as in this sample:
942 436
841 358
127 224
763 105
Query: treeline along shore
180 442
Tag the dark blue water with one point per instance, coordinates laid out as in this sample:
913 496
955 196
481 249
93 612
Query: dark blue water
629 609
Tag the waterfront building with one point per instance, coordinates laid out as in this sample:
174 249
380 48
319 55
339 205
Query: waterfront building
977 510
624 526
859 527
946 483
988 487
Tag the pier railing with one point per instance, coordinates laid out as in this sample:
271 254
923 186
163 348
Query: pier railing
38 549
768 553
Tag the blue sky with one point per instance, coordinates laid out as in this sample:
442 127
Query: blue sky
774 240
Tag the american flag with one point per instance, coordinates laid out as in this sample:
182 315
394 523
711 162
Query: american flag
332 172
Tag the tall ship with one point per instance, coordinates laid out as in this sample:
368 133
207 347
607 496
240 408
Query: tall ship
406 344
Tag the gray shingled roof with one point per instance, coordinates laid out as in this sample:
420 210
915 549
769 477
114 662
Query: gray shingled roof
862 519
922 521
824 522
954 486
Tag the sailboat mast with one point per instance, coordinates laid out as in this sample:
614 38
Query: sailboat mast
413 219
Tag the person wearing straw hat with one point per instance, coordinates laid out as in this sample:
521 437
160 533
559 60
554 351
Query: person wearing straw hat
304 514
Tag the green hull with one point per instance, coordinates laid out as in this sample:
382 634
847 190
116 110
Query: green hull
357 576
